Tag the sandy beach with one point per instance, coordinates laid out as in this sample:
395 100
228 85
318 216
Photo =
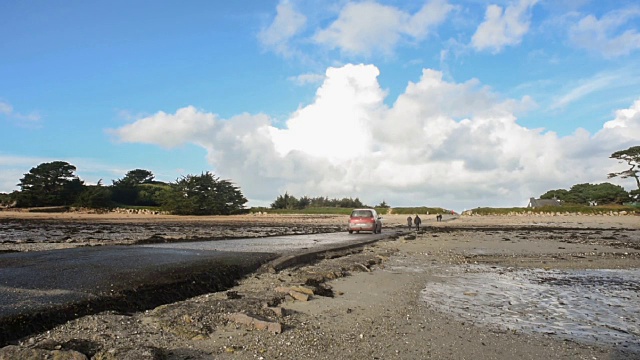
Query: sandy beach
476 287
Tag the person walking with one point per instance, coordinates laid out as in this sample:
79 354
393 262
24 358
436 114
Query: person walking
417 221
409 221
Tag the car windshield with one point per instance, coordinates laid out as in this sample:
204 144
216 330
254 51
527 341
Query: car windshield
361 213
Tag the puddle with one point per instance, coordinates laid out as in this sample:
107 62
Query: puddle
590 306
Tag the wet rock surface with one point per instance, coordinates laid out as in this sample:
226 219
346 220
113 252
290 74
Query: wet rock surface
44 234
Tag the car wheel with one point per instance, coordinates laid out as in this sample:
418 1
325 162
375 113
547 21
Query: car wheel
350 231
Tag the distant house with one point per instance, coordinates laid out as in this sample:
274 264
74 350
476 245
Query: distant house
536 203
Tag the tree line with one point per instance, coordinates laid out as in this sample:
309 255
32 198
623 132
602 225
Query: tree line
605 193
289 202
590 194
56 184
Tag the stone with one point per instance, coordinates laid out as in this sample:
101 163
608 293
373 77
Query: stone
299 296
360 267
256 323
293 293
277 310
303 289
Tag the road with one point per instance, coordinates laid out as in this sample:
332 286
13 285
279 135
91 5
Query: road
41 289
280 245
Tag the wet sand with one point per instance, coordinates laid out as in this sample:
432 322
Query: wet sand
403 298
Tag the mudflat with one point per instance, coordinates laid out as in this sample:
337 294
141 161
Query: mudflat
474 287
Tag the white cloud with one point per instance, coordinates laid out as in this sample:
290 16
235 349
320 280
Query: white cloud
441 143
287 24
368 27
169 130
626 124
31 120
340 114
607 35
304 79
503 27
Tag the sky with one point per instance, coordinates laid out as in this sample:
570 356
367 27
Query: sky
453 104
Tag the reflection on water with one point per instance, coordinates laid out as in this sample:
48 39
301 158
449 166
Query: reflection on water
592 306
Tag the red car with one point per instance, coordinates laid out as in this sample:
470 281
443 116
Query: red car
365 220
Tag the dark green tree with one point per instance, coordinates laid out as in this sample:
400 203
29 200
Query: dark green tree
304 202
95 197
585 194
126 191
560 194
632 157
285 201
605 193
135 177
150 194
49 184
5 199
204 194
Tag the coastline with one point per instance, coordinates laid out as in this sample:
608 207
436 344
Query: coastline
377 308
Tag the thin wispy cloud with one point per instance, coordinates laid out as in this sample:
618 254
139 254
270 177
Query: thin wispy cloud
612 35
624 78
31 120
305 79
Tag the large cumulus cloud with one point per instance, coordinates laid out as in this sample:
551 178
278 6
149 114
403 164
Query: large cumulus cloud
441 143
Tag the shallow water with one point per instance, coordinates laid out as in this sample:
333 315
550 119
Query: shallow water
590 306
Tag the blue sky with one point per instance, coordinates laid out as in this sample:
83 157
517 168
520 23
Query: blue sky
456 104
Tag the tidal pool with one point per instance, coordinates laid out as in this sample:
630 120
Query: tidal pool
590 306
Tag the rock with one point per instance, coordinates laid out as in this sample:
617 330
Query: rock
314 280
13 352
360 267
299 296
303 289
259 324
277 310
334 275
410 237
293 293
382 258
